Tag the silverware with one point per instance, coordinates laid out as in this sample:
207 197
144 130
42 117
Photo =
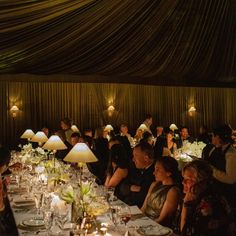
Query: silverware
33 232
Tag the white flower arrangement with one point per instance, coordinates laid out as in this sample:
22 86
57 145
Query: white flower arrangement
39 151
193 150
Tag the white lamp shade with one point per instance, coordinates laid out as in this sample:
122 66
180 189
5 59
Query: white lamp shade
80 153
143 127
54 143
108 128
40 137
173 127
75 128
28 134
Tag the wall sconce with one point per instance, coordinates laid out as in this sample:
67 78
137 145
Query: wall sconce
110 110
14 109
191 110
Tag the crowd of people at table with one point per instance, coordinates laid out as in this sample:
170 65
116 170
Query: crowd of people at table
197 200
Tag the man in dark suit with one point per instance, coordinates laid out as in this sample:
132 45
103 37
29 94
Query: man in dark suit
184 136
134 188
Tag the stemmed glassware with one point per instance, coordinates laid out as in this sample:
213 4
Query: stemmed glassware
48 220
38 197
62 215
114 214
110 194
125 216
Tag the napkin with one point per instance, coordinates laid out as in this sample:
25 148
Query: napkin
135 210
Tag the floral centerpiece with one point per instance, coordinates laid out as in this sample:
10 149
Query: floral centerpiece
188 152
193 150
30 155
83 199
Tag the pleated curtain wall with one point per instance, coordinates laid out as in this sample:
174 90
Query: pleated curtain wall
86 104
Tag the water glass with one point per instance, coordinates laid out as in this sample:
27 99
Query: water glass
48 219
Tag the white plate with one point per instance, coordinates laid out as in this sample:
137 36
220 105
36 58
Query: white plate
22 206
155 231
33 222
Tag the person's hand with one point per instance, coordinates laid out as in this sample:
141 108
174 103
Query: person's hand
135 188
189 197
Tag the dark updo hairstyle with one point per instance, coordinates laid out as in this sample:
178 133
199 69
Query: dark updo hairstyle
224 132
5 156
118 155
170 165
67 121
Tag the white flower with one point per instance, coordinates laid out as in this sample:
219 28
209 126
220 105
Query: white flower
192 149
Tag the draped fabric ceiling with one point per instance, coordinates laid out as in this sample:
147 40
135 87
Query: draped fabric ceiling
173 42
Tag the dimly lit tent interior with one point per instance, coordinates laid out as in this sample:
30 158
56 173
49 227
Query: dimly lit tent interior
75 58
118 117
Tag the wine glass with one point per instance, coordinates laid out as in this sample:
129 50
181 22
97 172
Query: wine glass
114 214
62 216
48 219
38 197
125 216
110 194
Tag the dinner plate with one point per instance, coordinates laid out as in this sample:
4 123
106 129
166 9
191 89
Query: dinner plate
34 222
155 231
17 190
24 201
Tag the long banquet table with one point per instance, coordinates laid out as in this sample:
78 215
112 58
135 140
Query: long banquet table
138 225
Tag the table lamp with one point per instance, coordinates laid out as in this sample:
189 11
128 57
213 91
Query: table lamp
54 143
40 137
75 129
108 128
28 134
80 154
173 127
143 127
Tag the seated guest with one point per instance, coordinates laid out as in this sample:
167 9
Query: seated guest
184 137
88 132
117 167
139 135
74 138
101 151
204 212
7 222
164 195
134 188
169 142
124 131
66 127
159 131
223 162
204 136
60 154
46 130
148 122
147 137
164 145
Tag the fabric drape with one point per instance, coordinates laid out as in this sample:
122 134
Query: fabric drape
163 41
85 103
